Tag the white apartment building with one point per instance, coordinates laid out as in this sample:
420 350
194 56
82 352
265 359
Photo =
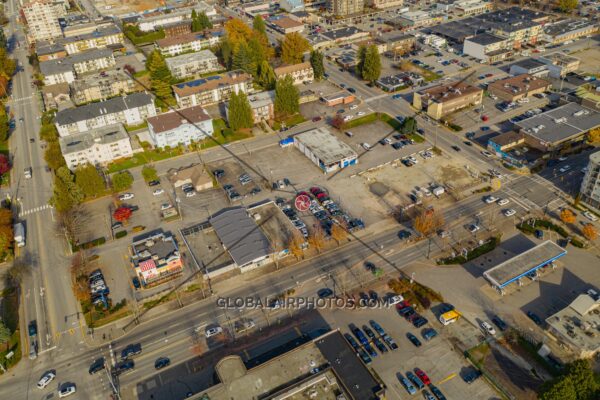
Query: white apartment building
211 90
590 186
473 7
175 45
345 7
151 23
131 110
67 68
182 126
56 72
191 64
102 86
42 19
300 73
97 147
101 37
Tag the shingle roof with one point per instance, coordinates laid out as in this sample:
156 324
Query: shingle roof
111 106
288 69
171 120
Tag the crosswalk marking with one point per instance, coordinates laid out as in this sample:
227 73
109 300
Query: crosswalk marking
34 210
22 98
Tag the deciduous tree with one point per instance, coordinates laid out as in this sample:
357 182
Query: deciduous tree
428 221
339 233
5 333
121 181
122 214
72 222
6 216
4 122
317 239
293 48
287 98
295 245
149 173
567 216
53 156
559 389
4 164
594 135
567 5
17 272
237 32
66 192
90 181
590 232
316 61
337 122
6 237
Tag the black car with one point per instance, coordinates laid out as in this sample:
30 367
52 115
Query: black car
404 234
255 191
351 90
286 182
468 143
123 366
131 350
369 266
154 183
499 323
325 293
97 366
413 339
539 234
218 173
421 131
373 295
136 282
397 146
162 362
437 393
455 148
419 321
533 316
471 376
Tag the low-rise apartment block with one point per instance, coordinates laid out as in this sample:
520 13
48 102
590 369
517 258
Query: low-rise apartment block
183 126
262 105
515 88
178 28
342 8
83 26
213 89
473 7
102 86
152 21
156 258
568 30
440 101
128 110
401 44
97 147
49 51
99 38
590 186
300 73
65 69
191 64
42 19
176 45
487 47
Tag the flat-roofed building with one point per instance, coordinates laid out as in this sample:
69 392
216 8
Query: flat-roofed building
49 51
84 26
530 66
173 46
130 110
442 100
418 19
65 69
342 8
56 96
179 28
183 126
518 87
42 19
560 64
325 150
213 89
382 4
287 25
567 30
487 47
292 6
300 73
99 38
400 44
564 126
468 8
102 86
152 21
186 65
262 105
590 186
156 257
347 34
97 147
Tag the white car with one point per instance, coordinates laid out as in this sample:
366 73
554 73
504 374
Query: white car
360 113
126 196
503 202
165 206
487 154
67 390
489 329
563 158
509 213
354 107
158 192
209 332
348 118
191 193
392 300
490 199
366 146
590 216
474 228
46 379
565 168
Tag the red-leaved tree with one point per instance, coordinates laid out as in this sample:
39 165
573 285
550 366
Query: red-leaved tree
122 214
4 164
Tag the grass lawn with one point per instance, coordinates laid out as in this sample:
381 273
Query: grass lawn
289 121
131 128
393 122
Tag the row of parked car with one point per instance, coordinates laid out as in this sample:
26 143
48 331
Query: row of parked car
293 216
367 338
417 380
98 289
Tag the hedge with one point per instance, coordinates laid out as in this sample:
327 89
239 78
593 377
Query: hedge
88 245
120 234
473 254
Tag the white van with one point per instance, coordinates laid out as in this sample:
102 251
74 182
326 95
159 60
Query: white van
366 146
349 134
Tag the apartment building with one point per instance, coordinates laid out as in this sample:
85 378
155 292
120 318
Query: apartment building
67 68
400 44
473 7
130 110
213 89
568 30
83 26
152 21
292 5
97 147
191 64
49 51
515 88
178 28
342 8
102 86
560 64
385 3
183 126
442 100
176 45
262 105
300 73
99 38
42 19
590 186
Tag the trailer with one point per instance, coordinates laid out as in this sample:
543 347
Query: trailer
19 234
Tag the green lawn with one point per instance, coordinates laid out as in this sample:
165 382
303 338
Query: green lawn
393 122
131 128
289 121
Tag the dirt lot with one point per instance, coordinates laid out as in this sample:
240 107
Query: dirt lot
128 6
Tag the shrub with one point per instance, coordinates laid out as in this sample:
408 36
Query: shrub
88 245
120 234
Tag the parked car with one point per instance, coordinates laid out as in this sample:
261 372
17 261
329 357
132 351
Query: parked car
437 393
46 379
97 366
407 385
429 334
413 339
210 332
488 328
66 390
161 363
415 379
533 316
422 376
126 196
496 320
471 376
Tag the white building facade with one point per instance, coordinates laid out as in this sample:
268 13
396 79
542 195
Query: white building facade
183 126
187 65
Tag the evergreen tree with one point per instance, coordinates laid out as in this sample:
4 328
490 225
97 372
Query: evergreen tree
287 98
242 59
371 66
240 112
409 126
53 156
226 53
89 180
266 76
122 181
257 54
160 76
195 26
293 48
360 60
67 193
259 25
204 21
316 61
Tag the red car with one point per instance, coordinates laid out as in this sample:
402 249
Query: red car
315 190
489 75
423 376
402 304
316 119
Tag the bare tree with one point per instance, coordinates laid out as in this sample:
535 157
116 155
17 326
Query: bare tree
72 223
428 221
317 239
17 272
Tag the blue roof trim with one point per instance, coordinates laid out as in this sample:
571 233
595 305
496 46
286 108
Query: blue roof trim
533 269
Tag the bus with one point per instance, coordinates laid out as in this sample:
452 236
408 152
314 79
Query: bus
449 317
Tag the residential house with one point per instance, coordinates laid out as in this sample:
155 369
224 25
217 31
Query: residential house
183 126
186 65
300 73
213 89
194 175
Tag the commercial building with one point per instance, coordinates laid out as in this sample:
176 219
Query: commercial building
560 64
417 19
42 19
325 150
589 95
101 37
97 147
379 44
182 126
152 21
434 41
300 73
49 51
400 44
590 186
292 6
343 35
556 129
487 47
194 175
213 89
518 87
342 8
530 66
381 4
287 25
173 46
262 105
156 258
567 30
65 69
343 97
102 86
191 64
326 367
128 110
442 100
576 326
242 238
468 8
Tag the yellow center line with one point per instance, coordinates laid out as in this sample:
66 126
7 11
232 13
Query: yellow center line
451 376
